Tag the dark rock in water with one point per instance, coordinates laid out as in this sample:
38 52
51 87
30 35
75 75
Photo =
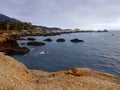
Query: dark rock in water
31 39
11 47
36 43
112 34
61 40
20 51
48 39
76 40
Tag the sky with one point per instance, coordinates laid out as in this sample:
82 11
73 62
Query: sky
83 14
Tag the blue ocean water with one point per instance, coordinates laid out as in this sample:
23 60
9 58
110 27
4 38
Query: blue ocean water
100 51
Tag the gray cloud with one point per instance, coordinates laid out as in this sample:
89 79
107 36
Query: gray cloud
85 14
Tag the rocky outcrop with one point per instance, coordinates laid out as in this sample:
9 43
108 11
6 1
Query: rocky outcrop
36 43
48 39
9 45
14 75
76 40
76 79
60 40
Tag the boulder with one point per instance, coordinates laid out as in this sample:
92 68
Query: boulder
76 40
36 43
20 51
31 39
14 75
60 40
48 39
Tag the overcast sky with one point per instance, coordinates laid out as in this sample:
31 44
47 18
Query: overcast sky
83 14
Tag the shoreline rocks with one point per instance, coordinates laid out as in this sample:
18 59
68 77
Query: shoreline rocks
36 43
60 40
76 40
9 45
19 51
48 39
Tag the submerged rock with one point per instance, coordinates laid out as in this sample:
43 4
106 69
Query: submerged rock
76 40
60 40
48 39
36 43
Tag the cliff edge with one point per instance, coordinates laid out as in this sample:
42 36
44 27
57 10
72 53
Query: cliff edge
15 76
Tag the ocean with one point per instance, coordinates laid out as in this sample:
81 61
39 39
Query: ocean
99 51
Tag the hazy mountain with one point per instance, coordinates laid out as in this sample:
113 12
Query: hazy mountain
6 18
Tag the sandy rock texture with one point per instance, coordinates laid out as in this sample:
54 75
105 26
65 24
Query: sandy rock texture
14 75
76 79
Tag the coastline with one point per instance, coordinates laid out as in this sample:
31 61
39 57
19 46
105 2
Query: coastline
9 45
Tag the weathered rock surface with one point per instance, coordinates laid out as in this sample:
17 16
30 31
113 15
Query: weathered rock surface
76 40
36 43
76 79
60 40
14 75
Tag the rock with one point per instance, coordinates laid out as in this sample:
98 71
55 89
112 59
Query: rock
48 39
9 45
76 79
36 43
61 40
20 51
76 40
14 75
31 39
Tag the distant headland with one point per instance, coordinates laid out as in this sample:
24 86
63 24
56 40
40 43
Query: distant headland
8 24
